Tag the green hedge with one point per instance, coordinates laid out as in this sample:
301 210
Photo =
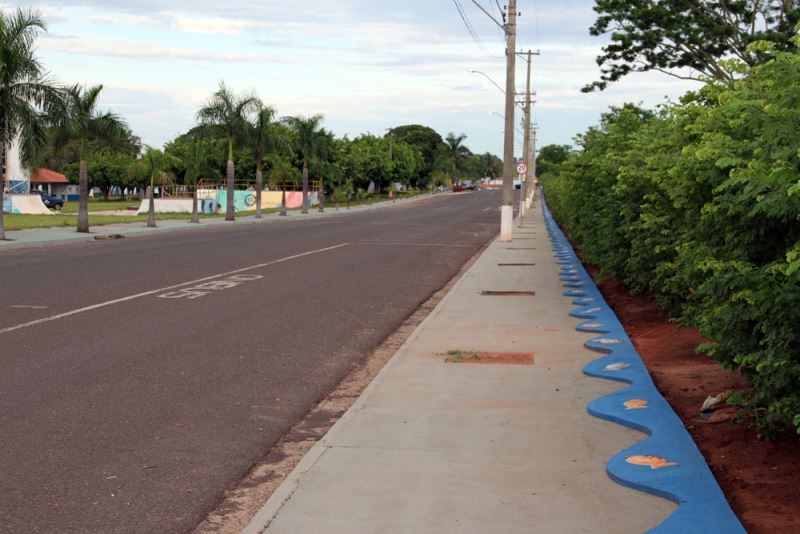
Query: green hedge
698 205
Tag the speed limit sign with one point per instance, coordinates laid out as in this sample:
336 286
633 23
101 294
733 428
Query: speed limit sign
522 168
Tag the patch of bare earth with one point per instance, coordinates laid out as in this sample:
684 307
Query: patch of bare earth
490 358
240 504
760 478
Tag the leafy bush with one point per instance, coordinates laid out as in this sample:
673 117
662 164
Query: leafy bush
698 205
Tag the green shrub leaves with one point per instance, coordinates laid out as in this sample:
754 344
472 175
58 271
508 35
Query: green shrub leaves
698 205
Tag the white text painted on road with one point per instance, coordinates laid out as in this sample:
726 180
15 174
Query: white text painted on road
195 292
164 289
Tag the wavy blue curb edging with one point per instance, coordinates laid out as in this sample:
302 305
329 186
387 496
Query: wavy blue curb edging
702 505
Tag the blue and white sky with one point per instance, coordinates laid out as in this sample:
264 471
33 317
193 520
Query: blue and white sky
366 65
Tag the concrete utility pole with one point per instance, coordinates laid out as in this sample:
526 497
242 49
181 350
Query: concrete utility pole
532 159
507 209
527 144
523 187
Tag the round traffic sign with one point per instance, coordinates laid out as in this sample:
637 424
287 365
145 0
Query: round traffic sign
522 168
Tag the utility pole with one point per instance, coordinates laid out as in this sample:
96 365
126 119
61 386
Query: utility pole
532 159
507 209
527 144
523 188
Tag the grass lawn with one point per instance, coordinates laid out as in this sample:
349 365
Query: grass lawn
100 205
22 222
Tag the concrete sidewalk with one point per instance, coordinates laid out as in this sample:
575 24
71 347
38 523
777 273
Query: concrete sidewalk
58 235
465 447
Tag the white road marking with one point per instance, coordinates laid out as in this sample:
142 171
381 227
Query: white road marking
206 288
162 290
29 307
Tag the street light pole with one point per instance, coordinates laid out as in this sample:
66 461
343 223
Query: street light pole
507 209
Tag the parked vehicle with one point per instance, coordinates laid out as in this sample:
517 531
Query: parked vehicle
52 202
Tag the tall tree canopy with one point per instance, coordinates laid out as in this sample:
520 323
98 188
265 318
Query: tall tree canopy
83 123
228 113
312 143
25 90
425 139
688 38
456 150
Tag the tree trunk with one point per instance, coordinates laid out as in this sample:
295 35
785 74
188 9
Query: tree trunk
321 196
83 203
3 160
283 201
107 193
230 211
151 211
195 215
304 211
349 196
259 187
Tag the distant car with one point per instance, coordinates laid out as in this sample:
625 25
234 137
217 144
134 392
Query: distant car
52 202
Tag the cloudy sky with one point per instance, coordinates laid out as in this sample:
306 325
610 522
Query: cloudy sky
367 65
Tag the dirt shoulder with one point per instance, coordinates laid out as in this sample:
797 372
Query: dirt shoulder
759 478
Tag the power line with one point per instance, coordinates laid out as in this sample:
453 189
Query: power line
471 30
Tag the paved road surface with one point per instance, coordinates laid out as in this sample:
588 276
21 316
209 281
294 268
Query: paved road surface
141 378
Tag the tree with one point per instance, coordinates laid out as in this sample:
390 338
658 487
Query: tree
281 171
263 139
228 114
406 163
156 166
198 163
676 35
424 139
311 141
455 149
108 170
551 157
25 91
83 123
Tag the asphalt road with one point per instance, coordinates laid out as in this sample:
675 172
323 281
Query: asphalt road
141 378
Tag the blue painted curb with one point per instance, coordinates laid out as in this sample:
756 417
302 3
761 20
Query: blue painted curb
667 463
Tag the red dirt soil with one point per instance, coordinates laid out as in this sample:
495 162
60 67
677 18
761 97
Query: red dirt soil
761 479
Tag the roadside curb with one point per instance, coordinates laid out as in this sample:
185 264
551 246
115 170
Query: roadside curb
667 463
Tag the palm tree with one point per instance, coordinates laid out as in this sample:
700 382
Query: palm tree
312 141
455 149
198 163
83 123
262 141
281 171
25 91
228 114
155 165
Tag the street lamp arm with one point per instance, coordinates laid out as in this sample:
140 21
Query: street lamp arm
488 78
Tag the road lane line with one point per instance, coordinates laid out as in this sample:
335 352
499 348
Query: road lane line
163 290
